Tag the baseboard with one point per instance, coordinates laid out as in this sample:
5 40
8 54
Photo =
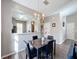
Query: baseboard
12 53
61 41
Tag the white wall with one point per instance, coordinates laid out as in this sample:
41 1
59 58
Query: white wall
72 26
7 42
63 28
6 20
58 31
19 43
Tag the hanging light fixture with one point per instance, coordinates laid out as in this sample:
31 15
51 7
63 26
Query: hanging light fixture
45 2
43 16
37 15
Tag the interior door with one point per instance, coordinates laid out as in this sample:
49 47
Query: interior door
71 31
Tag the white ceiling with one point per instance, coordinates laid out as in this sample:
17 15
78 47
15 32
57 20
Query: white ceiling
55 6
23 13
22 16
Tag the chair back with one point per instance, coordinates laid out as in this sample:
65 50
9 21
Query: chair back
50 37
50 46
35 37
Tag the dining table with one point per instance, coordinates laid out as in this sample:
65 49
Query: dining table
39 43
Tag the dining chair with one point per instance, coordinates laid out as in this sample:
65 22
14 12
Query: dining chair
50 37
50 49
54 43
32 52
47 51
35 37
42 52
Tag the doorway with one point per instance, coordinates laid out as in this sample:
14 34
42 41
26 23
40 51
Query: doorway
71 31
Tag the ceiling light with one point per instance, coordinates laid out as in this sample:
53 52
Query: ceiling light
35 14
45 2
43 15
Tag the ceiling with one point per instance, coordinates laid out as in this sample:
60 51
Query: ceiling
65 7
23 13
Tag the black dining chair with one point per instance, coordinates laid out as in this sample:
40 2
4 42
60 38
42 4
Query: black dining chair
54 43
32 52
50 49
35 37
43 52
50 37
47 51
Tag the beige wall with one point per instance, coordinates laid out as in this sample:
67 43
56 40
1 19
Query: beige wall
58 31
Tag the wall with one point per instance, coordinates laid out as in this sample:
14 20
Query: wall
63 27
58 31
7 10
6 16
19 43
72 24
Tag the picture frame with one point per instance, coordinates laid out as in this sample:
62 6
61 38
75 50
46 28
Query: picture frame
53 24
63 24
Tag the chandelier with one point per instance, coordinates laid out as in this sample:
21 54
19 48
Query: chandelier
37 15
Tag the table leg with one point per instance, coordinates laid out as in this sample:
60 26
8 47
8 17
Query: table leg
37 54
54 47
26 56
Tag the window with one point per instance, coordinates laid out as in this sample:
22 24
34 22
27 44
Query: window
19 28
